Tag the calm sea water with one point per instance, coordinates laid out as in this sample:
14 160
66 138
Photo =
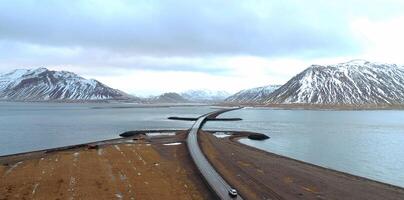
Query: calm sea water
34 126
365 143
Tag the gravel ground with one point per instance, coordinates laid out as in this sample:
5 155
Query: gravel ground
142 169
261 175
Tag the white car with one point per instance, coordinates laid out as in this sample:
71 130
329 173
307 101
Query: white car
233 192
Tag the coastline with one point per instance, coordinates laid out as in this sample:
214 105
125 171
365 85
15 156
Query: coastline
134 104
236 138
260 174
256 173
318 106
138 167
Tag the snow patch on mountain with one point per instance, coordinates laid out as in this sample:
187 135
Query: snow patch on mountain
169 97
42 84
253 95
354 83
205 95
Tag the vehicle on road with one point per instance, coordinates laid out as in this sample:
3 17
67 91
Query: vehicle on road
233 192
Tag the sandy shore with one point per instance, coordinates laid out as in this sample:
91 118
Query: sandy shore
261 175
149 168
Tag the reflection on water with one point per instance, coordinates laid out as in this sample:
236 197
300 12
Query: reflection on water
365 143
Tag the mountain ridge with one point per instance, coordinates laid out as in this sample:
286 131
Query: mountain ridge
41 84
356 82
168 97
252 95
205 95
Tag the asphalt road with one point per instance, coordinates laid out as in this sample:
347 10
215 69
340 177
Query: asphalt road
215 181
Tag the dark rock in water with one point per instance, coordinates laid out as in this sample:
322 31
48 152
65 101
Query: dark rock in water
184 118
258 136
130 133
224 119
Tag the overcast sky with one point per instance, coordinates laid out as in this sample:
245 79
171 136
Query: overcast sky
151 46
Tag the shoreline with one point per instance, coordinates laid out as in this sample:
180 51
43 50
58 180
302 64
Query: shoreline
81 145
266 173
138 167
332 107
236 138
260 174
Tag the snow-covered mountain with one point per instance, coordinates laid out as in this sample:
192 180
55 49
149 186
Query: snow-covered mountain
45 85
253 95
356 82
190 96
169 97
205 95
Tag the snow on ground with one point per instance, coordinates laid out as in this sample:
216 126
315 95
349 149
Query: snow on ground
172 144
160 134
221 134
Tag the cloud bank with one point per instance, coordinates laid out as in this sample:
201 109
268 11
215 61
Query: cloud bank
215 38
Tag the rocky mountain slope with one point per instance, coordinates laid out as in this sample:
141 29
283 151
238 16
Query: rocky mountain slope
253 95
170 97
46 85
356 82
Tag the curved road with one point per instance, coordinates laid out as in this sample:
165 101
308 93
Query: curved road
215 181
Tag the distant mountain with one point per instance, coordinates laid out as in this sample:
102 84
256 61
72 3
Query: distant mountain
170 97
205 95
46 85
253 95
356 82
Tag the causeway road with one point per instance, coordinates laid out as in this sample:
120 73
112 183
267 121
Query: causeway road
212 177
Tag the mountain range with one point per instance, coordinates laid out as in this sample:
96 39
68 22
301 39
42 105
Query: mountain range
42 84
190 96
205 95
253 95
169 97
356 82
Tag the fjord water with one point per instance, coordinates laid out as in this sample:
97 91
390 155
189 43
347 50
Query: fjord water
365 143
35 126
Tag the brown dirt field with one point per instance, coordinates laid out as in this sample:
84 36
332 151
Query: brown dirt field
134 170
261 175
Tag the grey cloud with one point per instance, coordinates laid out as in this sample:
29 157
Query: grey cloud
99 61
178 28
177 35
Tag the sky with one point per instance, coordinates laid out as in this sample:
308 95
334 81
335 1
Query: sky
154 46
